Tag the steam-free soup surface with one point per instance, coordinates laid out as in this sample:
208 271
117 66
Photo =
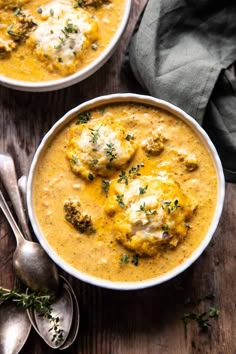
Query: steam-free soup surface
44 40
125 192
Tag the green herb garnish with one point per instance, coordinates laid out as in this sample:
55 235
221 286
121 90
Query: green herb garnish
90 176
94 135
135 260
120 201
105 187
171 206
129 137
110 152
134 170
83 118
123 177
143 190
124 259
14 34
148 212
74 158
202 319
42 304
18 11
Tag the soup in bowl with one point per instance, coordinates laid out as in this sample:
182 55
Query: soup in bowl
125 191
47 45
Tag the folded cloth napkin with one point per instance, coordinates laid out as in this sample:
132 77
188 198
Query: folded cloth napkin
181 51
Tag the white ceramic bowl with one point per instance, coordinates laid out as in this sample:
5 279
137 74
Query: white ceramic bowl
70 80
156 103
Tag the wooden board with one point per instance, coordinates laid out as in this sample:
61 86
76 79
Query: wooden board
137 322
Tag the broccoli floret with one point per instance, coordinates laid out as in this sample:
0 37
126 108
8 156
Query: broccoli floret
82 222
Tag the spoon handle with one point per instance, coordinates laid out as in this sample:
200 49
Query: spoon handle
9 180
10 219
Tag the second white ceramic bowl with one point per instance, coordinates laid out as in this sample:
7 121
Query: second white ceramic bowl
78 76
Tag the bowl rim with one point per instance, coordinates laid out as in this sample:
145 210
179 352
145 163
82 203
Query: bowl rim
51 85
143 99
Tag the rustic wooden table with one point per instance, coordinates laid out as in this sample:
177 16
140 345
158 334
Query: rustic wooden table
114 322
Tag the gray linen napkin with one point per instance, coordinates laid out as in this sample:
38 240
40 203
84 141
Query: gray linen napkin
181 51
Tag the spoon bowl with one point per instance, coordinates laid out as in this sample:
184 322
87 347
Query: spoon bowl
61 312
14 328
31 263
66 304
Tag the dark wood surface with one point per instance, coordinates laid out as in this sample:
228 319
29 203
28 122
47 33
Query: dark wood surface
113 322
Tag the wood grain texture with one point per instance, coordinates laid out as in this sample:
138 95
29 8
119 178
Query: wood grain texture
118 322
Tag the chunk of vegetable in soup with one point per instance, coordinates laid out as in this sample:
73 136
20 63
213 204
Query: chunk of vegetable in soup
46 40
125 192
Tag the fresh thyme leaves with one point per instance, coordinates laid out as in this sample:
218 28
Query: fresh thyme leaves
123 177
125 259
42 304
143 190
83 118
120 201
129 137
90 176
165 228
171 206
18 11
187 226
14 34
202 318
102 111
110 152
105 187
148 212
133 171
52 12
74 159
40 10
66 32
135 260
94 135
70 28
78 3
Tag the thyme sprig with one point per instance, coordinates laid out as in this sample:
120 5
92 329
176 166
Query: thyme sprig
94 135
126 259
202 318
83 118
171 206
132 172
110 152
148 212
105 187
42 304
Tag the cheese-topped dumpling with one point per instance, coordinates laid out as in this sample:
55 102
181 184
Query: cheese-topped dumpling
149 212
99 147
62 37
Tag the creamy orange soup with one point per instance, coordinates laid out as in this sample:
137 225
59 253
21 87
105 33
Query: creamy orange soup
44 40
125 192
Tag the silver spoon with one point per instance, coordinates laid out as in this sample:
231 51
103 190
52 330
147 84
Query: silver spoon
14 328
62 308
22 183
8 174
31 263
